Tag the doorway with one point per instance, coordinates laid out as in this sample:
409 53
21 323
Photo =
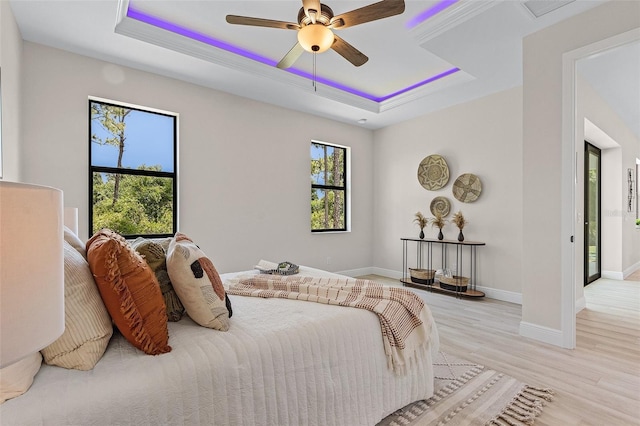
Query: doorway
592 213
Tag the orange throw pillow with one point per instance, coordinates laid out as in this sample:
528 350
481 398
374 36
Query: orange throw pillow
130 292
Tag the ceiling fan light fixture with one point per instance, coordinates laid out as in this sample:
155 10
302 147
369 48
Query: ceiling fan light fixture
315 38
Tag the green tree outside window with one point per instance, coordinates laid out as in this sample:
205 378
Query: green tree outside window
128 195
328 187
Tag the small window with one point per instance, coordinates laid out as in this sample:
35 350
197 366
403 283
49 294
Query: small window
132 173
329 198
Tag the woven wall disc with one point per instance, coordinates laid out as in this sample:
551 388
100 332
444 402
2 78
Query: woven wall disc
440 205
433 172
467 188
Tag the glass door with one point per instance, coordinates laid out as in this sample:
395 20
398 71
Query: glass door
592 216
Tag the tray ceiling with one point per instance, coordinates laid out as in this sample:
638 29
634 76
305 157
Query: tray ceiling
467 50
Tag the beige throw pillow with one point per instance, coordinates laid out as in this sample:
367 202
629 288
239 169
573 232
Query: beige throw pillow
156 257
17 378
87 323
197 284
153 253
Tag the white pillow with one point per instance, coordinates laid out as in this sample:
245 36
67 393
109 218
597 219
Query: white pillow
17 378
197 283
87 322
75 242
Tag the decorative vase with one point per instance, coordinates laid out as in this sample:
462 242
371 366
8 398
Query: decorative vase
440 235
421 234
460 236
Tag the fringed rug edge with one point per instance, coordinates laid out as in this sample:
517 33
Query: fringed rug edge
525 406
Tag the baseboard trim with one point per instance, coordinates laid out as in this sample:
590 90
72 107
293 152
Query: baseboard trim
540 333
581 303
612 275
356 272
389 273
503 295
372 270
630 270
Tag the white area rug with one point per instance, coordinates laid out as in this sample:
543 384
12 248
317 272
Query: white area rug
468 394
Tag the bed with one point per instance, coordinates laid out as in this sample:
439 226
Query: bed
282 362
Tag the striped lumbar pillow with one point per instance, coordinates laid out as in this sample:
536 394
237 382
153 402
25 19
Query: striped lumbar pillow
87 323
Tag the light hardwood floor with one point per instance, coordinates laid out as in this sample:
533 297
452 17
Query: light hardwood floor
598 383
634 277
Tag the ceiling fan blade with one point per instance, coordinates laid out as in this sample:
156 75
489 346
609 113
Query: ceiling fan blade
349 52
372 12
259 22
291 56
312 9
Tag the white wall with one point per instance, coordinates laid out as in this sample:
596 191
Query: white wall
243 165
483 137
620 240
11 63
545 175
612 206
234 151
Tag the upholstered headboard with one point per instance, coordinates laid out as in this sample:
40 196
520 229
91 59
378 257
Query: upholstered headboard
71 218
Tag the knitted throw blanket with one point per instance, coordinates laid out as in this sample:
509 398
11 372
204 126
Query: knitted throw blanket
404 318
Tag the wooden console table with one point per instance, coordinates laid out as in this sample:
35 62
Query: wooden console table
429 245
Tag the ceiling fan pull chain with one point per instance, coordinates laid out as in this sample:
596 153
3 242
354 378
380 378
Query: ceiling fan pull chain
315 85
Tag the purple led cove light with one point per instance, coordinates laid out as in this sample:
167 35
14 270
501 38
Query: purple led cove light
194 35
365 95
428 13
421 83
177 29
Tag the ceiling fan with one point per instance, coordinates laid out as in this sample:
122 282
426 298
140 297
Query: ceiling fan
315 22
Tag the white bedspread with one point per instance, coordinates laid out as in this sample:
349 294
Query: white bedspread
282 362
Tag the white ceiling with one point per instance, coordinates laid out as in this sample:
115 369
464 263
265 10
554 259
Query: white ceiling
483 38
615 76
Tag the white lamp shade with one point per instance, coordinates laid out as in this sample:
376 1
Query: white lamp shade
31 269
315 38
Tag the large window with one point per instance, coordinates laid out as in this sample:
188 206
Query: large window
329 198
132 174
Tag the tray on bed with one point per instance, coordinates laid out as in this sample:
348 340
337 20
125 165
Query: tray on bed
282 268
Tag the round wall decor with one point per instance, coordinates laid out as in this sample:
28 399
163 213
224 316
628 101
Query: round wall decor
433 172
440 205
467 188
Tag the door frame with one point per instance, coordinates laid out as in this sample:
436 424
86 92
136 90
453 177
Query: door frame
567 338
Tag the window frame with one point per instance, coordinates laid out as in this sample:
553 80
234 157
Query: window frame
135 172
346 188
